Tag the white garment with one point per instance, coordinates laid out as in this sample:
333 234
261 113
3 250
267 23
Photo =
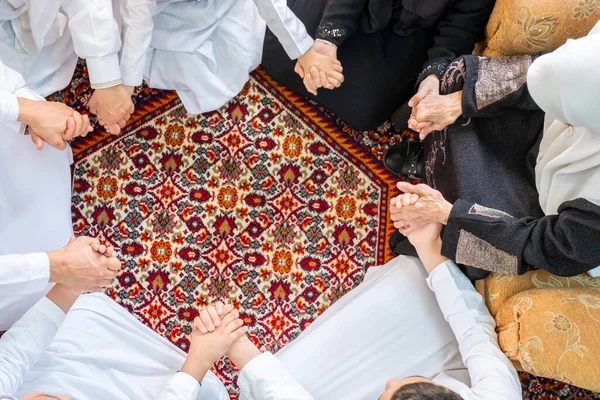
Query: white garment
391 326
203 49
566 85
35 205
100 352
41 39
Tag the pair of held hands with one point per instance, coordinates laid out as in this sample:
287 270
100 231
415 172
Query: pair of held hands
417 208
320 68
84 265
218 331
56 123
432 111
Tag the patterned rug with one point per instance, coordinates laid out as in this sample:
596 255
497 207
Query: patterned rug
270 203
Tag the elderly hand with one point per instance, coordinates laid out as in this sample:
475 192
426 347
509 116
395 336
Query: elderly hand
429 86
113 106
418 206
319 67
52 122
84 264
435 112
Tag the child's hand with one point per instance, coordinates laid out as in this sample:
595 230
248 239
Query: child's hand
108 251
319 70
207 348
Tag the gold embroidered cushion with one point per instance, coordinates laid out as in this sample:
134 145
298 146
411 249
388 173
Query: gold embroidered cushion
498 288
519 27
554 333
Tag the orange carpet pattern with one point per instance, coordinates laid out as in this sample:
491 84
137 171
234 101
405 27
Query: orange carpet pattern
269 203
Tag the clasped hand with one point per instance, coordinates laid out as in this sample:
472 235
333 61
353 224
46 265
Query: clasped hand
113 107
432 111
320 68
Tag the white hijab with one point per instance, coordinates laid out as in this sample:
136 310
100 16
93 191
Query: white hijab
566 85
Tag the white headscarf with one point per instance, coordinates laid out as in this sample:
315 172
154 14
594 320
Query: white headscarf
566 85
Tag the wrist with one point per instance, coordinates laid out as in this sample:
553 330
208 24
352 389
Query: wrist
26 111
196 366
63 297
444 212
57 266
430 254
457 104
242 353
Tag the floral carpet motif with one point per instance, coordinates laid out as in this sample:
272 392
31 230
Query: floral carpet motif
268 202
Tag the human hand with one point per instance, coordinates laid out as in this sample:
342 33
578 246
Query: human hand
52 122
430 206
435 112
208 347
429 86
113 106
84 264
319 67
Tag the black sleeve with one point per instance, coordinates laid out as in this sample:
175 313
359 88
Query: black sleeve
565 244
340 20
460 29
496 85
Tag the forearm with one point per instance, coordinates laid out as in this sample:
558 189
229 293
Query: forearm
138 24
491 240
195 365
96 39
63 296
242 353
431 255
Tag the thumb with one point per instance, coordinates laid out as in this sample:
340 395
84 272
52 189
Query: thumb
299 70
37 140
420 190
421 93
70 131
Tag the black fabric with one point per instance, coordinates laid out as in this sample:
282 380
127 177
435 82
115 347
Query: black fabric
565 244
379 69
385 46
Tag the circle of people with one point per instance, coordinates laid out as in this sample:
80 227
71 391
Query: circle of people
415 328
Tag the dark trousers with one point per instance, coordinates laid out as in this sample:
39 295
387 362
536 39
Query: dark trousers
380 69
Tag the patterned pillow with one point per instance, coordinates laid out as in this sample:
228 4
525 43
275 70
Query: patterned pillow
519 27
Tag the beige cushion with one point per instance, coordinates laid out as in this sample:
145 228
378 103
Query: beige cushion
519 27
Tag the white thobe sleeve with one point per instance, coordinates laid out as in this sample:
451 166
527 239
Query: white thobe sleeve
492 374
24 273
265 378
96 39
286 26
24 343
136 33
180 387
10 82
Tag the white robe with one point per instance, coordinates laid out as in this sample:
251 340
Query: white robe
204 49
566 85
42 39
35 205
389 326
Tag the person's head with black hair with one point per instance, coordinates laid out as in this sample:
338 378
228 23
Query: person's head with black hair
417 388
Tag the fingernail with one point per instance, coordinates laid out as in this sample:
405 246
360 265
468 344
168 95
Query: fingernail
203 330
211 327
218 322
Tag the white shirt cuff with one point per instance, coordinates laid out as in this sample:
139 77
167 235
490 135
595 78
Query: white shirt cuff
303 47
440 275
47 308
185 385
38 267
104 71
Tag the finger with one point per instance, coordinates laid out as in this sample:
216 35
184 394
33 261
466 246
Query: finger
420 189
406 199
214 316
393 202
234 326
71 129
95 246
299 70
314 72
81 128
113 129
37 141
414 198
407 231
423 125
206 320
236 335
122 123
310 84
234 314
102 249
396 216
416 99
219 306
337 67
200 325
87 126
110 252
110 274
114 264
228 308
130 108
325 81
